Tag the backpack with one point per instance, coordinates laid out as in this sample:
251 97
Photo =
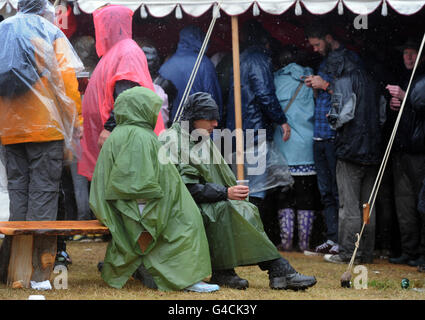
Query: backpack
18 70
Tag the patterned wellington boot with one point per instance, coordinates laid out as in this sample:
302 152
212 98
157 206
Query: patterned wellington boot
286 223
305 226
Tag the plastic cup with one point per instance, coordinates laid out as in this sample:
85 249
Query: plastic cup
242 182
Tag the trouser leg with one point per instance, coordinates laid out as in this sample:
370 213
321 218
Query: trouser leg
45 166
349 189
17 169
325 162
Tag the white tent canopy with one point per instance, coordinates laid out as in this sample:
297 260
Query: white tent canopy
162 8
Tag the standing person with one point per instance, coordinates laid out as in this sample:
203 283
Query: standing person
297 101
122 66
179 67
163 88
40 107
233 226
323 42
260 111
357 115
417 99
408 159
153 220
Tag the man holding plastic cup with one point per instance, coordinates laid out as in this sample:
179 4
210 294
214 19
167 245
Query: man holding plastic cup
233 226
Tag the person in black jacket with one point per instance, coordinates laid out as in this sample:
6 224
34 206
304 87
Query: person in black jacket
356 116
408 157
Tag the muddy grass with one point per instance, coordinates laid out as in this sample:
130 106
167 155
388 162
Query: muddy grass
85 283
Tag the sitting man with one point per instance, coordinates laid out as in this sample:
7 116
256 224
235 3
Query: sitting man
234 229
153 220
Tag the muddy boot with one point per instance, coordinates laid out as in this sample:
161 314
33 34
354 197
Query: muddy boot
286 224
228 278
305 227
283 276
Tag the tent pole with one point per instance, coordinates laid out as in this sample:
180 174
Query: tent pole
238 100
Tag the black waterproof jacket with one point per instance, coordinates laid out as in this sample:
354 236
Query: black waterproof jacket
410 136
260 106
357 140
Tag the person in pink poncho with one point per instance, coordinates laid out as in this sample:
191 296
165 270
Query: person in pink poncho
122 66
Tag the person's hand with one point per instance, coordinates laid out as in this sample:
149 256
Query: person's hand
286 131
308 80
78 132
396 92
318 83
237 192
102 138
395 104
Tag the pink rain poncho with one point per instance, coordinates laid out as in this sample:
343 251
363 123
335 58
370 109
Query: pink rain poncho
121 59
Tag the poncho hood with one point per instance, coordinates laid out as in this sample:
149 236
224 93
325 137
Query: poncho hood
32 6
112 24
137 106
191 38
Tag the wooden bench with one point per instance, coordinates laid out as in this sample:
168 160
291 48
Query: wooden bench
34 245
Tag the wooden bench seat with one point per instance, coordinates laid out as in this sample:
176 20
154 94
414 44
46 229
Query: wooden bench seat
34 244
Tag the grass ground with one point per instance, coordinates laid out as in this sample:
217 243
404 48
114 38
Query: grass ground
85 283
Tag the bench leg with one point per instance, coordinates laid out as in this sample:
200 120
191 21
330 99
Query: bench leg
31 258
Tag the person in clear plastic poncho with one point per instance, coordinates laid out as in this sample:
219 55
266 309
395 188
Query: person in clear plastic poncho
234 229
40 111
145 202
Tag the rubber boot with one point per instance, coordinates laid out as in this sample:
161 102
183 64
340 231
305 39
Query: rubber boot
305 227
286 224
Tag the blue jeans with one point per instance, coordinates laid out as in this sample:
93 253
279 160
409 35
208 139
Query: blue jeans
325 162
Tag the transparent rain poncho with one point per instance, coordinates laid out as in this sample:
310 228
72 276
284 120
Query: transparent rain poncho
39 97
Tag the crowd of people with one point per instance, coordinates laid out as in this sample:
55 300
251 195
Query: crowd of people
95 152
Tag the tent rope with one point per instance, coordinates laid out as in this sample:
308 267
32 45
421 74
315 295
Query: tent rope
197 63
383 165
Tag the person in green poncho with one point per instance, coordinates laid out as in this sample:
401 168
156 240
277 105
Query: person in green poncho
152 217
233 226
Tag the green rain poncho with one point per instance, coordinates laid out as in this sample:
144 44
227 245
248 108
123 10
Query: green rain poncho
234 229
128 172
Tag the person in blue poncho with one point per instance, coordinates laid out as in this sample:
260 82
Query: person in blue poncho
179 67
297 101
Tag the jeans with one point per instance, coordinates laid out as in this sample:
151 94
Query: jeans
325 162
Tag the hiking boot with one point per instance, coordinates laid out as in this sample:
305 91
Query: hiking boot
297 281
403 259
282 276
228 278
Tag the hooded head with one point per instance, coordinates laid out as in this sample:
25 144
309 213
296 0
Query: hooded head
200 106
191 37
32 6
152 56
137 106
339 63
253 33
112 24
